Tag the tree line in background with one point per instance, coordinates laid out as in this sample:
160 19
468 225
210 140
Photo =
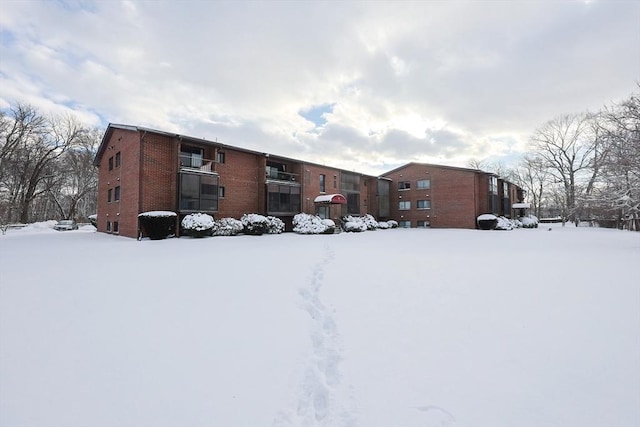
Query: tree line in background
46 166
584 167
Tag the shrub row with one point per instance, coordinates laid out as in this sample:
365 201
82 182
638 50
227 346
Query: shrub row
313 224
493 222
161 224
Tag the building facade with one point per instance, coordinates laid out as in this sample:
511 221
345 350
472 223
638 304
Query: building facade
141 170
427 195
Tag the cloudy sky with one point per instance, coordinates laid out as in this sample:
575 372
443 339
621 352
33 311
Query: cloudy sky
360 85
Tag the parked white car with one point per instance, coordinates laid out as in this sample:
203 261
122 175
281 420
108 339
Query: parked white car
65 225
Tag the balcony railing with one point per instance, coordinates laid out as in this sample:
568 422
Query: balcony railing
273 173
196 163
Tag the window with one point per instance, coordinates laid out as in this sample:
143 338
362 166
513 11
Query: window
349 182
493 185
111 163
323 188
109 226
404 185
424 204
199 192
118 159
283 198
493 195
220 191
116 194
353 203
424 224
221 157
505 190
404 224
116 227
110 195
424 184
384 201
335 181
404 205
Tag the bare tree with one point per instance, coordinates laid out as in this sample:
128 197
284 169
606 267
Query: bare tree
31 146
534 178
76 179
21 123
621 128
571 154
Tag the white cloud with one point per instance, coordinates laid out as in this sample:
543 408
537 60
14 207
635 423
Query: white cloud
429 81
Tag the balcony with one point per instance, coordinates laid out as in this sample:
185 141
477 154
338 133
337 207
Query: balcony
278 175
196 163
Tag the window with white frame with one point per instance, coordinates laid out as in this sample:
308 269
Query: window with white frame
424 224
423 204
423 184
404 205
404 224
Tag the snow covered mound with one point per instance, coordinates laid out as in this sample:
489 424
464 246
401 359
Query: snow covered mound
227 227
530 221
354 224
504 224
198 222
311 224
274 225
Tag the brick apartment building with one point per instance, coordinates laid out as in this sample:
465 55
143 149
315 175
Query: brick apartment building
142 169
426 195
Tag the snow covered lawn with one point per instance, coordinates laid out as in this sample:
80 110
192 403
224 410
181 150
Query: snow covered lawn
387 328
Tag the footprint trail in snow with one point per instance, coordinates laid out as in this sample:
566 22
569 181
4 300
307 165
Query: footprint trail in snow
321 400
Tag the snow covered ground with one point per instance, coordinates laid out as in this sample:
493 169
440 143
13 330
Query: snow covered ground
392 328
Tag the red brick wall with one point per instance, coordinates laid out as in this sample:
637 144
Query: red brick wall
243 176
482 194
126 176
159 173
311 187
453 195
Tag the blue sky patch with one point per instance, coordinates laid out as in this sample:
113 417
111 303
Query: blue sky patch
316 113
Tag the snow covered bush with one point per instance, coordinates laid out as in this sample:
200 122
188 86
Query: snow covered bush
392 223
198 224
487 221
255 224
529 221
274 225
383 225
312 224
227 227
353 224
370 222
504 224
93 219
157 225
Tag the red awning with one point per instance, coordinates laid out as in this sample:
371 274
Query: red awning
333 199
